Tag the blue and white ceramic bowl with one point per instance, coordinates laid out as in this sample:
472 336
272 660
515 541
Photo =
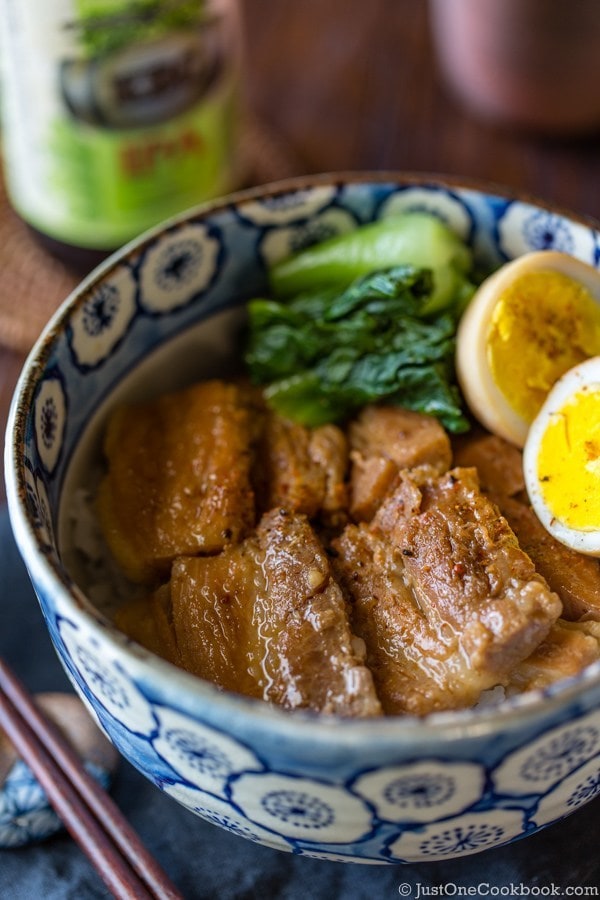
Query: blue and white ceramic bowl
163 310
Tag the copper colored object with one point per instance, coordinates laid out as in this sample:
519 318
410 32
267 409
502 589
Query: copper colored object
533 64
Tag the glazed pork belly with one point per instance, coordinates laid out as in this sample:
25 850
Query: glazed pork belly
443 586
266 618
384 440
403 654
573 576
302 470
444 598
149 621
567 650
178 478
499 464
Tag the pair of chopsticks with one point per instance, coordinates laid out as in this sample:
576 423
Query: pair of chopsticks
89 814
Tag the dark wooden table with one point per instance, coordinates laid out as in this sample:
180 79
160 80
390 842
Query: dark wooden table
352 84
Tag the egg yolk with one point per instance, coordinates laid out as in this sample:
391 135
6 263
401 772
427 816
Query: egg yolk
568 462
542 325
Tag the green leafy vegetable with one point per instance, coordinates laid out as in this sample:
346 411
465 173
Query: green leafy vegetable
326 353
418 239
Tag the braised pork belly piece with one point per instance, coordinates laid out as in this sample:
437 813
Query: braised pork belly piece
499 464
149 621
384 440
403 653
573 576
328 450
178 478
301 469
265 618
566 651
214 602
444 598
314 659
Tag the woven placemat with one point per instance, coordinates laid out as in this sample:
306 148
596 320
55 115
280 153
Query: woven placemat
33 283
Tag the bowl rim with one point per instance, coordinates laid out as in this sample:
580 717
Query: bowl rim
406 730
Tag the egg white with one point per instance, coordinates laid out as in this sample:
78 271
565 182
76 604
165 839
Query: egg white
484 398
586 374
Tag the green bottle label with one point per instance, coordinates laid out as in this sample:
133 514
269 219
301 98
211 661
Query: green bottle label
116 114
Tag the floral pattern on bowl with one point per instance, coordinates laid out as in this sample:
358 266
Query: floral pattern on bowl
389 791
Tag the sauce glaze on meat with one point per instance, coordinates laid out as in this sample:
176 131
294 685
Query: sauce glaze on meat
362 571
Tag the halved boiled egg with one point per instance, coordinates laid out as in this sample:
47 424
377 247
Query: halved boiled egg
561 459
527 324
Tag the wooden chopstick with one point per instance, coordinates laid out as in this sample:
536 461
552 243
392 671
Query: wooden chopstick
90 815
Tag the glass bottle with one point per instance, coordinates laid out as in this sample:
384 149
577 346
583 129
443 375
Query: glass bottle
116 115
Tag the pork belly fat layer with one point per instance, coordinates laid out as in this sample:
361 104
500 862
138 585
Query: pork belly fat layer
383 440
178 477
443 596
573 576
266 618
213 617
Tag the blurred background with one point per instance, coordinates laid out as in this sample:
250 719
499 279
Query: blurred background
355 85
